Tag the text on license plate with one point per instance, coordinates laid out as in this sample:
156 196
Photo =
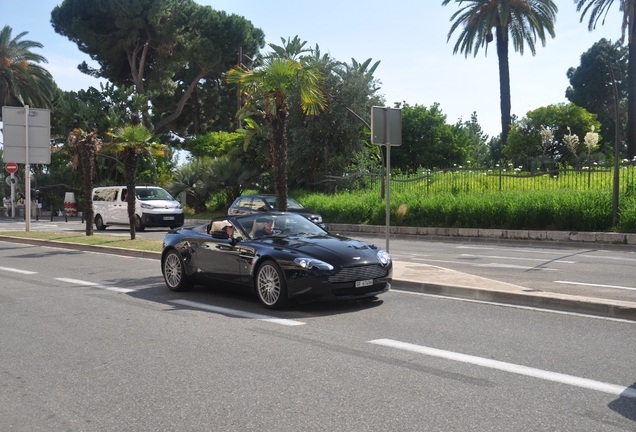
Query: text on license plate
364 283
168 218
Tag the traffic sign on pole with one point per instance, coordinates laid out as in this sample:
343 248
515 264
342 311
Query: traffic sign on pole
11 167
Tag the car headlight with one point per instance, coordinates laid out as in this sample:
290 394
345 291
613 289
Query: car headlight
384 257
318 219
310 263
147 206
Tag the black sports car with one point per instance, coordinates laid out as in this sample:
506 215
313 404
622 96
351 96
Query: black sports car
280 256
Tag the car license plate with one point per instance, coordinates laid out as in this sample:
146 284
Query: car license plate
168 218
364 283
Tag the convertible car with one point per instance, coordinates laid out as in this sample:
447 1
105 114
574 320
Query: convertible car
282 257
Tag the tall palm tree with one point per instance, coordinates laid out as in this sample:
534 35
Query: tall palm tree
22 80
522 21
131 141
598 9
87 145
268 86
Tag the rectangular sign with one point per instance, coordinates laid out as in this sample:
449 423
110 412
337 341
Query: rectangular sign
14 130
386 126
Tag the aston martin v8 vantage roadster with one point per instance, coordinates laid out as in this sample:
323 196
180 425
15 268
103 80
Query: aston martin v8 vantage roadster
281 257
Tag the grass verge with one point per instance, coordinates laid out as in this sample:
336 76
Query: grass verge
152 245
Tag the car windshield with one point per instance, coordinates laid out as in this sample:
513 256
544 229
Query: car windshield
257 225
292 204
148 194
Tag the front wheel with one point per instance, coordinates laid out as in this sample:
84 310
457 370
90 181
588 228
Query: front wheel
271 286
174 274
139 225
99 223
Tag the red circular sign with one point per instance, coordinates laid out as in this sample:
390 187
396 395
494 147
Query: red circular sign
11 167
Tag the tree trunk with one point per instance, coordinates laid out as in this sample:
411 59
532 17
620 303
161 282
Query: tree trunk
278 148
130 171
87 153
504 83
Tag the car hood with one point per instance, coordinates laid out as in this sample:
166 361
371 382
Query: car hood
341 251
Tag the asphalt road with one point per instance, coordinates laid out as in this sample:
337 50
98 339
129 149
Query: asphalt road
96 342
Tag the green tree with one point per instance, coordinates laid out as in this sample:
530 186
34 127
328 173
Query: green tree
591 86
22 80
131 141
215 144
268 87
598 9
520 21
335 140
428 141
164 48
525 142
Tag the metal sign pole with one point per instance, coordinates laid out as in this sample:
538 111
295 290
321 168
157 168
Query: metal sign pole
27 174
387 140
12 196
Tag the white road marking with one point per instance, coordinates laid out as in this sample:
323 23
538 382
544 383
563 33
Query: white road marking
511 367
239 313
96 285
517 258
553 311
608 257
596 285
13 270
492 265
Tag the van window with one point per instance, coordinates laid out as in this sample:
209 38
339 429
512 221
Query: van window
147 194
105 194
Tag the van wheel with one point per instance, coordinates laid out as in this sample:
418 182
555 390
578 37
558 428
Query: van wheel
99 223
139 226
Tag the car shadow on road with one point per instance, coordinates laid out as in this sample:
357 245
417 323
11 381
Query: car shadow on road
625 405
238 298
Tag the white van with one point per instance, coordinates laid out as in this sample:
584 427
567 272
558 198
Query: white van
154 207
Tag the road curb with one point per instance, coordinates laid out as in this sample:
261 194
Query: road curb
84 247
541 300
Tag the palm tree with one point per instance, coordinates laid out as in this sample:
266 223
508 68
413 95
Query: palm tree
598 9
87 145
131 141
520 20
268 86
22 80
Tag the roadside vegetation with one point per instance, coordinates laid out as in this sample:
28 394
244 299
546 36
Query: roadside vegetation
290 119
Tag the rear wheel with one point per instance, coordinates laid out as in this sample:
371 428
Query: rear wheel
174 274
139 225
271 286
99 223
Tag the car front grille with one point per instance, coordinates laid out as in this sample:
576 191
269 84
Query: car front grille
350 274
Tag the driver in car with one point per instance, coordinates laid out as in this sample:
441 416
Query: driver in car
267 228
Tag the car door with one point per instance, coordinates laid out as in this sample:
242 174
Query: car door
219 259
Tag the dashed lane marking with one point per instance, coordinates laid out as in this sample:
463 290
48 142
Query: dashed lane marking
13 270
239 313
96 285
511 367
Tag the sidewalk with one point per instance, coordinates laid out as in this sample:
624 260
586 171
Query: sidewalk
430 279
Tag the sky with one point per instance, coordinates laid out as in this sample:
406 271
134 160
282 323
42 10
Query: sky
417 65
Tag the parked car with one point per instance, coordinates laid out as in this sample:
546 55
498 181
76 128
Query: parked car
154 207
295 260
250 204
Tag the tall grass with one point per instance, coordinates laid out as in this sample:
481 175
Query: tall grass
556 209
